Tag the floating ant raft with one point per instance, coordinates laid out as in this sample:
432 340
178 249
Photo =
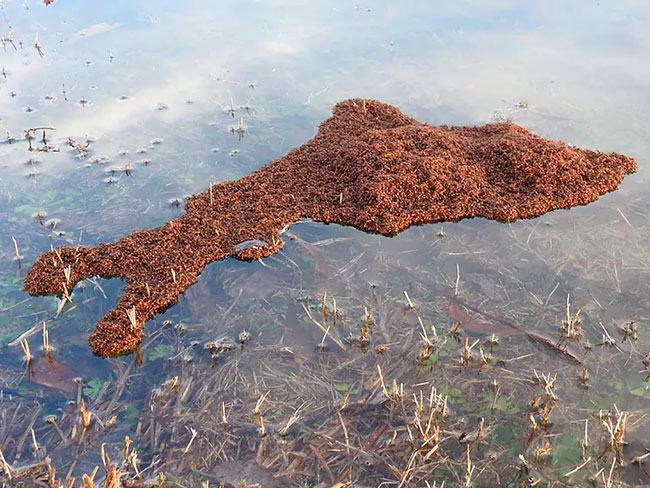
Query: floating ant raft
369 166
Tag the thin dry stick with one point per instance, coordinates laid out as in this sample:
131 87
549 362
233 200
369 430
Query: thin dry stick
18 256
383 385
224 416
34 442
408 300
407 470
46 339
189 444
25 345
638 459
469 471
578 468
6 468
345 432
322 342
292 420
27 334
624 217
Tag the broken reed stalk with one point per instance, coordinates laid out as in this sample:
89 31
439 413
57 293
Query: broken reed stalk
292 420
258 415
46 339
468 471
26 351
428 348
6 468
84 415
533 428
322 341
193 433
34 442
639 459
466 353
384 390
410 304
367 319
345 432
323 307
616 432
495 391
548 382
224 418
50 419
435 484
17 255
111 473
579 467
571 326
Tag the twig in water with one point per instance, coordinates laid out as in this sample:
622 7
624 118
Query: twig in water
411 305
624 217
468 471
46 339
6 468
578 468
17 256
383 385
25 346
345 432
189 444
495 389
571 326
37 46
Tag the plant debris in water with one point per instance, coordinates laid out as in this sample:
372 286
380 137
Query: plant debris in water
369 166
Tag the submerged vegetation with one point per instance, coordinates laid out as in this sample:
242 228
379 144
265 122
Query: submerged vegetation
264 380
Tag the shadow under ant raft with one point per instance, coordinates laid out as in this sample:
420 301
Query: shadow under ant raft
369 166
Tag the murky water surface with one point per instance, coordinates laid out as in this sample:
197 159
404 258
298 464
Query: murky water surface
312 368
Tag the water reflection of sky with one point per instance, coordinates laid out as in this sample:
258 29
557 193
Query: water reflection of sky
581 67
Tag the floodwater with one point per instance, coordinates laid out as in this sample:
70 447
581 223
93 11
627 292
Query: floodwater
237 381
